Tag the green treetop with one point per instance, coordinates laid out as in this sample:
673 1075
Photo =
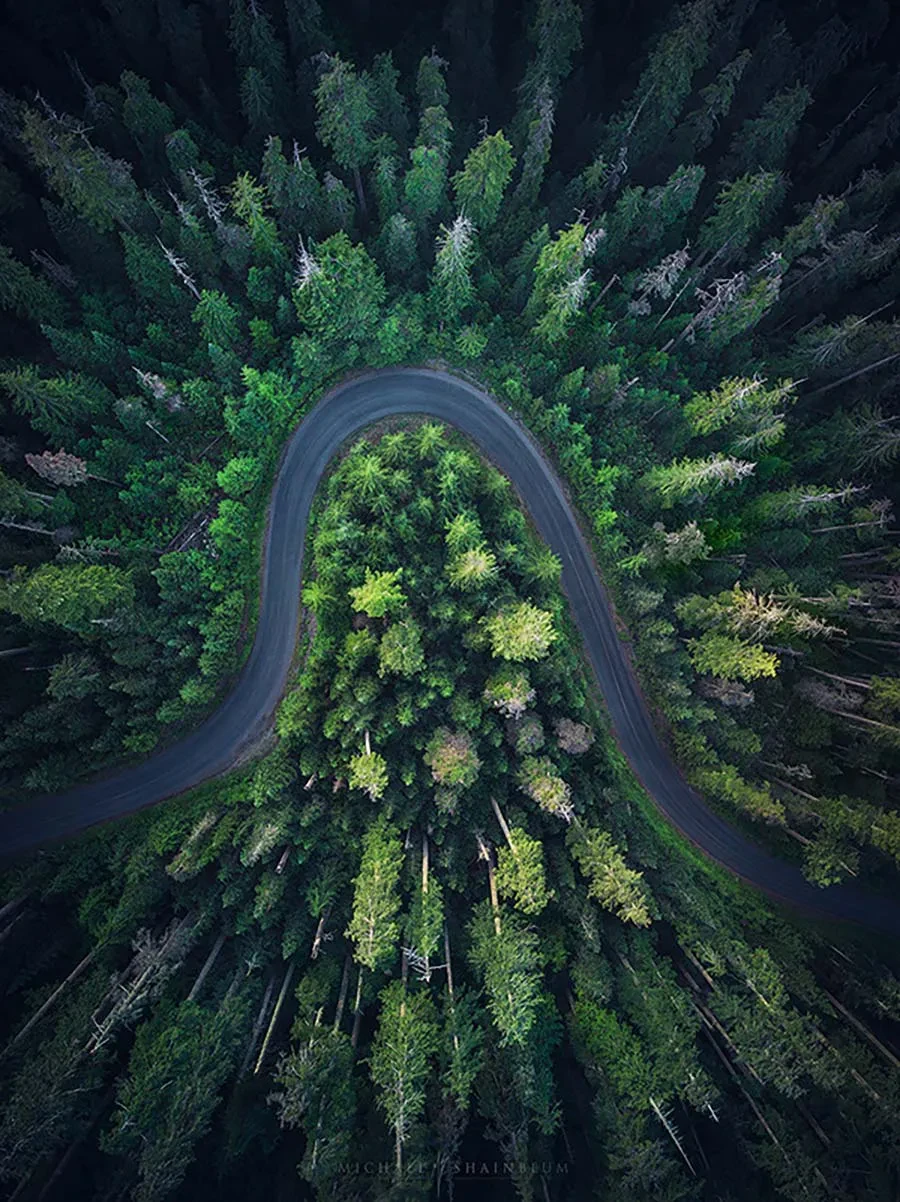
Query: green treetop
400 1061
400 651
452 758
611 882
369 772
380 594
374 928
520 872
520 632
472 568
345 115
480 185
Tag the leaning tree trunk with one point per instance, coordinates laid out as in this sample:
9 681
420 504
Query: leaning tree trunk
57 992
257 1026
207 965
282 993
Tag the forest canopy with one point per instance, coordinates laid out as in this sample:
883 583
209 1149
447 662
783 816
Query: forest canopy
433 920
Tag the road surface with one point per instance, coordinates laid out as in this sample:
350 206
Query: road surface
213 747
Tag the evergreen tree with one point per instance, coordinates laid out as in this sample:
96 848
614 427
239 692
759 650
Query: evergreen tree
373 928
345 116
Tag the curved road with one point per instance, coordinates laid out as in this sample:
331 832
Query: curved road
245 713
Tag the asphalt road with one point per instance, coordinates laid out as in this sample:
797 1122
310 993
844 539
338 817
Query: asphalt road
213 747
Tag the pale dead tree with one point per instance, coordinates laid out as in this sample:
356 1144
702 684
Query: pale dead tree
714 301
421 965
839 698
89 550
573 737
60 468
181 866
792 771
726 692
263 838
882 512
159 390
570 298
671 1131
299 152
58 272
755 615
184 210
772 263
592 239
210 199
28 527
832 344
179 266
305 267
812 626
454 243
798 501
155 960
659 281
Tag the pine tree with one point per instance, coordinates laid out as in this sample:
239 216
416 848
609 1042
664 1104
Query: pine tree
762 143
374 928
611 882
664 85
391 117
345 115
452 281
520 873
400 651
537 149
480 185
369 771
99 188
741 209
404 1044
379 595
520 632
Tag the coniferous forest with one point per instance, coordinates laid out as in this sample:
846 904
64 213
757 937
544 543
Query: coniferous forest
430 938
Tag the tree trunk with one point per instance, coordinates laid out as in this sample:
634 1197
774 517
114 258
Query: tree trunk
57 992
852 376
342 995
862 1029
672 1134
424 891
357 1012
257 1026
10 524
208 963
449 963
503 825
599 297
492 883
450 982
8 929
360 194
317 941
11 905
857 684
232 984
282 993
